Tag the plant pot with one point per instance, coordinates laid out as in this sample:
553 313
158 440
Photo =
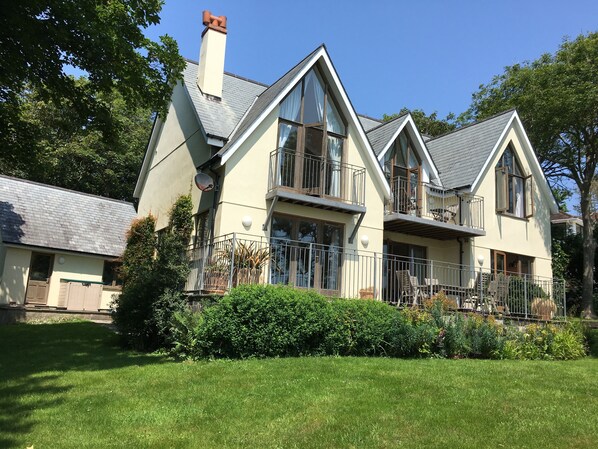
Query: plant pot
215 281
247 276
543 308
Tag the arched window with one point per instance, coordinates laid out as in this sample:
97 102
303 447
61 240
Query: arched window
514 190
311 136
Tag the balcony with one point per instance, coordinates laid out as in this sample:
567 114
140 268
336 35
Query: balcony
237 259
316 181
427 210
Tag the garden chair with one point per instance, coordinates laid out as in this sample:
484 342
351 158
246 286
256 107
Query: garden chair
408 287
498 294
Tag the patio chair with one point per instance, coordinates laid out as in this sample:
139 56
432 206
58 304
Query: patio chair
431 287
498 293
408 287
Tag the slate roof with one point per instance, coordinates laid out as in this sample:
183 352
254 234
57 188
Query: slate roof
460 155
381 135
219 117
368 122
44 216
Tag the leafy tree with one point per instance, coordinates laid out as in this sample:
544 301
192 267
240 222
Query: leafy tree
427 124
63 149
40 40
557 98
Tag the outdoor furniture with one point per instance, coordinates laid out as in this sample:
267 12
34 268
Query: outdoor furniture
408 288
430 287
444 214
498 293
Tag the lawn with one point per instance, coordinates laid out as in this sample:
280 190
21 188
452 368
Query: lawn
68 385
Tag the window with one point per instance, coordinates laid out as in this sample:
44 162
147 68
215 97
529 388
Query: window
202 229
514 190
511 264
306 253
311 135
402 167
112 274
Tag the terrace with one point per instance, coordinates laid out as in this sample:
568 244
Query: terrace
405 282
427 210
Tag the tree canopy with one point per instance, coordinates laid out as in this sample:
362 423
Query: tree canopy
557 99
41 41
427 124
56 146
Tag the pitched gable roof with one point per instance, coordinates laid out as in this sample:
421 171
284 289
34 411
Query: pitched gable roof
266 98
44 216
380 135
271 97
473 143
219 117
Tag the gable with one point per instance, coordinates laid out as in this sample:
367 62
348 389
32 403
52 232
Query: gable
460 156
384 136
514 134
271 98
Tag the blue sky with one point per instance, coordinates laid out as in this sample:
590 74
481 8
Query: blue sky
420 54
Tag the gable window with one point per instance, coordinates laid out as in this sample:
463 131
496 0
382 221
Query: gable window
514 190
311 137
402 168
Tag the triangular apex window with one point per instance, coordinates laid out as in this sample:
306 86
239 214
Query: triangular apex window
311 136
514 190
402 168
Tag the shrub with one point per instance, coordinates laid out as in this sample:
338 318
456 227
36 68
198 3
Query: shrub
280 321
153 276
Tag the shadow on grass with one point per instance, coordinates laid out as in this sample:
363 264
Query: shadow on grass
34 356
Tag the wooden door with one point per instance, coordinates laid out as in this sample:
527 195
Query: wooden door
500 262
38 283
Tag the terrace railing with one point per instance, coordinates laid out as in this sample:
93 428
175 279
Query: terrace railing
316 176
428 200
237 259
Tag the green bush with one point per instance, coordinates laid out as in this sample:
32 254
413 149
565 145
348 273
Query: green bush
154 272
280 321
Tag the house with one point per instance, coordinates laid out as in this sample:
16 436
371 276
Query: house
566 223
58 247
340 202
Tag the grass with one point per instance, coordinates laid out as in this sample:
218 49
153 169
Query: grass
68 385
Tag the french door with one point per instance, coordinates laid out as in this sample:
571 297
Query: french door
306 254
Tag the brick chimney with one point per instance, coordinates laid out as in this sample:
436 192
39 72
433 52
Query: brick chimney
211 55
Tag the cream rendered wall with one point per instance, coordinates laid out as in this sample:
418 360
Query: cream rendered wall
75 268
172 169
13 283
529 237
246 184
438 250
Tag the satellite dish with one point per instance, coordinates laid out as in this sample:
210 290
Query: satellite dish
204 182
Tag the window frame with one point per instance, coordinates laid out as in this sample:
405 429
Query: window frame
506 179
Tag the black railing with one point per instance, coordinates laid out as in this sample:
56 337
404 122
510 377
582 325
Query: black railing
430 201
237 259
316 176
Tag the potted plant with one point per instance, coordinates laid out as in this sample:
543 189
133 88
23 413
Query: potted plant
216 276
249 262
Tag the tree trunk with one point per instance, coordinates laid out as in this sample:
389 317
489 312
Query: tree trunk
589 250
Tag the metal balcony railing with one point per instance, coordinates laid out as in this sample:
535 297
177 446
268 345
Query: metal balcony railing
430 201
316 176
237 259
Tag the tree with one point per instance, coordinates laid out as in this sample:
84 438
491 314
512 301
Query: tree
63 149
427 124
154 272
557 99
41 40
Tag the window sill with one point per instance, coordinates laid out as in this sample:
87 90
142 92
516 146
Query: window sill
506 214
